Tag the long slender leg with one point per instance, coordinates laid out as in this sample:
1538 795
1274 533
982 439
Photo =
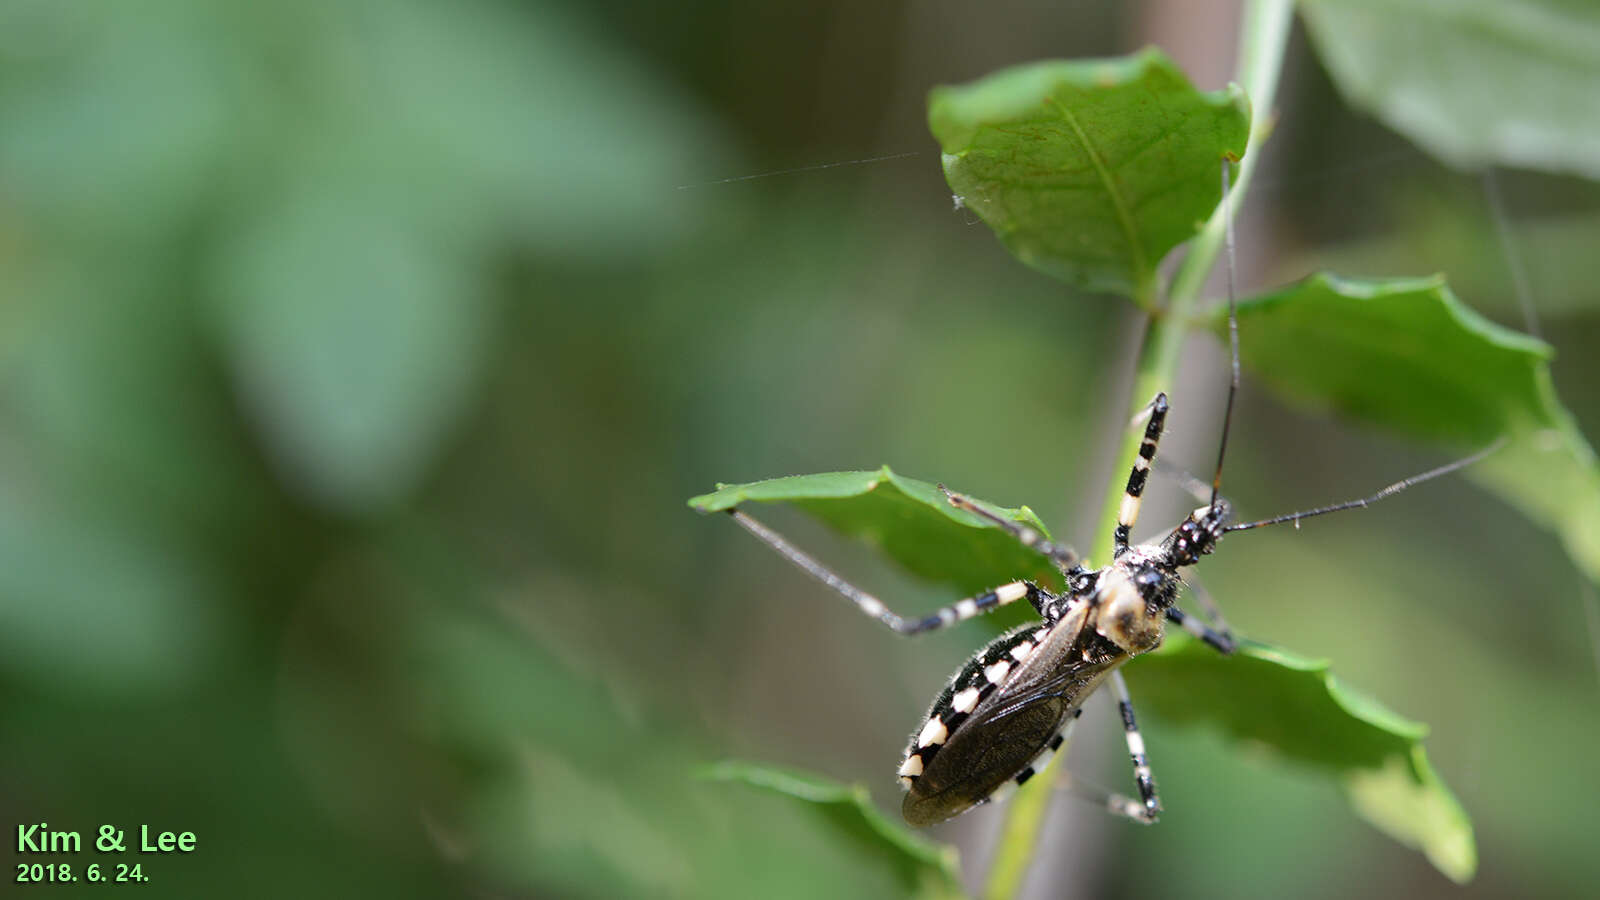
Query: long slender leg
1129 513
1111 801
872 606
1145 808
1208 605
1065 558
1221 639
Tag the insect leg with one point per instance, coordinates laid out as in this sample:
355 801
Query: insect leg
872 606
1217 634
1110 801
1220 640
1129 514
1145 808
1065 558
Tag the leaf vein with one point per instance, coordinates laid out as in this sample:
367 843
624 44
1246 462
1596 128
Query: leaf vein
1124 218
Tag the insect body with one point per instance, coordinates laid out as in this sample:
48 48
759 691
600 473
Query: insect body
1008 710
998 722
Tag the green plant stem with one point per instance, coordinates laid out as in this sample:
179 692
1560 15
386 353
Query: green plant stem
1264 35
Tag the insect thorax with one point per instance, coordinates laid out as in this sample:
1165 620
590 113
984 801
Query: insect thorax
1132 596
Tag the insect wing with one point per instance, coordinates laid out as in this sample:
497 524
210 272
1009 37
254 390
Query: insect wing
991 752
1045 669
1004 733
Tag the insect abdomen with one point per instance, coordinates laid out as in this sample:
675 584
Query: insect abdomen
974 683
1002 715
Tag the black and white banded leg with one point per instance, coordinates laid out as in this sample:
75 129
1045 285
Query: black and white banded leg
1221 641
1148 805
1132 496
1065 558
872 606
1215 632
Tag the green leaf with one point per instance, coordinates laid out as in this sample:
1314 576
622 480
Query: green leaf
1406 355
1410 804
1475 82
1089 170
926 869
1295 708
907 519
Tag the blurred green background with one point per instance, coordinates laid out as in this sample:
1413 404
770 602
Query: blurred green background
357 358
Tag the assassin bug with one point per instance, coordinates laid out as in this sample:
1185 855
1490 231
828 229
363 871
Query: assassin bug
1010 707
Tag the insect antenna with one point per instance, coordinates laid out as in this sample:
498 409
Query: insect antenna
1363 502
1233 334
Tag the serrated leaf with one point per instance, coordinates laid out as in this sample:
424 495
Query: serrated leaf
909 520
1089 170
1406 355
1475 82
1296 709
927 870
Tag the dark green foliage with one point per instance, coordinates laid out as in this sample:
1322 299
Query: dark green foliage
1090 170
